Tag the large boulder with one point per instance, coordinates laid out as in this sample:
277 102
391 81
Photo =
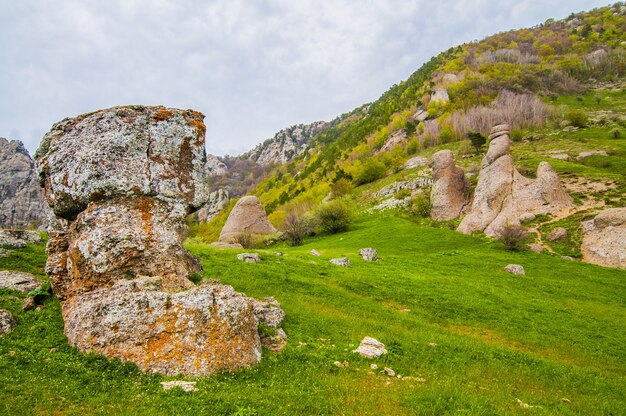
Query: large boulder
503 195
20 281
121 183
247 217
450 189
604 241
21 198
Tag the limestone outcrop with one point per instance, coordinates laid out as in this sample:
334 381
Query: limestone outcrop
18 238
603 241
449 193
503 195
247 217
121 183
218 200
21 198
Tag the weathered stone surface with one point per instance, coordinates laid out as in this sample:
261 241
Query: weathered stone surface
537 248
248 216
124 152
371 348
276 342
218 200
515 269
21 198
314 252
187 386
196 332
419 115
557 234
5 252
249 257
397 138
450 190
7 323
121 183
341 261
584 155
28 304
214 166
503 195
604 241
368 254
18 238
20 281
411 185
268 312
416 162
440 94
219 244
527 217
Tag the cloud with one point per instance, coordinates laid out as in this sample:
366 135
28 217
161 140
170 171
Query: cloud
252 67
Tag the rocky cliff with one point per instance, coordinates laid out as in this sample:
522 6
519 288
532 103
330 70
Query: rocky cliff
286 144
21 199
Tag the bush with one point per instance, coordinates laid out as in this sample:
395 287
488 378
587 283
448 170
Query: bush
245 239
333 217
577 119
420 205
295 228
616 133
477 139
341 187
513 237
370 171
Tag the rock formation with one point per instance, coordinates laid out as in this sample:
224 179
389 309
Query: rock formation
121 182
218 200
248 216
19 238
604 242
20 281
449 193
21 198
503 195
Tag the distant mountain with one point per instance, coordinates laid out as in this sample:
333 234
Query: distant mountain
21 199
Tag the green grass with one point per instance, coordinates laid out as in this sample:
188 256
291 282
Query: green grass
557 333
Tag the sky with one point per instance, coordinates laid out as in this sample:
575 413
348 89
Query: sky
253 67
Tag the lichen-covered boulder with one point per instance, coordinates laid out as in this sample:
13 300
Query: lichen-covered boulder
503 195
450 189
20 281
121 183
18 238
247 217
604 241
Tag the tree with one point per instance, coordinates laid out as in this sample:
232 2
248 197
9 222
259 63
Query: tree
296 227
477 139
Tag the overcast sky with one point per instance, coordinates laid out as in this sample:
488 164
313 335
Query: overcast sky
252 67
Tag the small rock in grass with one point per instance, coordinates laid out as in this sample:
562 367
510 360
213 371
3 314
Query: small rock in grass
315 253
28 304
185 385
374 366
341 261
371 348
515 269
389 372
20 281
537 248
53 350
344 364
568 258
368 254
583 155
522 404
432 344
278 254
527 217
557 234
7 323
249 257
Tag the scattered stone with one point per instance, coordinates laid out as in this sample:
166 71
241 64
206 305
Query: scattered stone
248 216
522 404
20 281
341 261
537 248
315 253
53 350
503 194
410 185
368 254
440 94
268 312
391 203
450 190
278 254
5 252
7 323
220 244
121 183
343 364
568 258
583 155
557 234
18 238
374 366
28 304
432 344
416 162
249 257
21 199
515 269
604 241
419 115
559 156
187 386
396 138
389 372
527 217
276 342
371 348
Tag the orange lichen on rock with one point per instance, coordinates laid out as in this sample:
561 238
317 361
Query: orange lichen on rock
162 114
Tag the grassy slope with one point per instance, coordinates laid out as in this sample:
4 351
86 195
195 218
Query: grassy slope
557 333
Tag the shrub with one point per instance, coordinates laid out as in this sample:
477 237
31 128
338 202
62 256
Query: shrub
420 205
245 239
616 133
402 193
295 228
370 171
513 237
477 139
341 187
577 119
333 217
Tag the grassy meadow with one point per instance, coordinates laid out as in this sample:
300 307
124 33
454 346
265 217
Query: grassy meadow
553 339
